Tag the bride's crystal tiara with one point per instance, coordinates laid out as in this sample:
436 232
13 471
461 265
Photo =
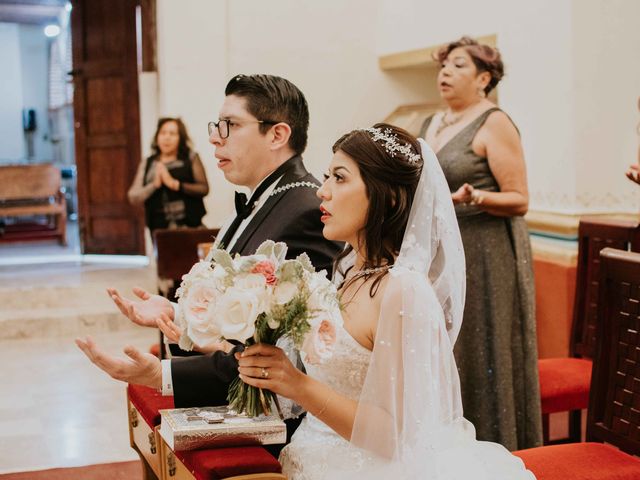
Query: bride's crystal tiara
392 144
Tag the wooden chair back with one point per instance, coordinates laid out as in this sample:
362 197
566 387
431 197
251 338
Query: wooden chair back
614 403
594 234
177 251
26 182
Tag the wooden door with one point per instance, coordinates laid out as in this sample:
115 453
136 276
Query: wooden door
107 124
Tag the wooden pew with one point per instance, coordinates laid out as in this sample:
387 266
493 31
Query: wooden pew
564 382
613 421
176 251
28 190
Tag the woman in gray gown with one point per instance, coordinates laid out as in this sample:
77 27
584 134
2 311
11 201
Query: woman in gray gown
480 152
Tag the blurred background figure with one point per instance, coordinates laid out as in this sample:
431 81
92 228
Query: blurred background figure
172 181
479 149
634 173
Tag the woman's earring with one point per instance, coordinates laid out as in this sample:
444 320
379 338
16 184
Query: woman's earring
482 93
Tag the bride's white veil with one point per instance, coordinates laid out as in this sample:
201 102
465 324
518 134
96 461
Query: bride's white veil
432 244
411 394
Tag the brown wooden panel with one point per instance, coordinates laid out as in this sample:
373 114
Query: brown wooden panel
106 228
28 181
109 177
106 25
107 121
148 34
594 235
105 105
614 404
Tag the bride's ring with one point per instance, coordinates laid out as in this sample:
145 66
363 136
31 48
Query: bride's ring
264 373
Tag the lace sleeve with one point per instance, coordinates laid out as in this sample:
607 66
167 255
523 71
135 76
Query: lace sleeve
200 185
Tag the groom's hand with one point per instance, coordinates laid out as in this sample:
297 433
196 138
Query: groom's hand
144 312
139 368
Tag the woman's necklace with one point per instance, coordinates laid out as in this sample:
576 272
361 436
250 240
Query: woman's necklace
444 123
369 271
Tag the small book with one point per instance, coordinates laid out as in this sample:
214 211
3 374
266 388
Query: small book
193 428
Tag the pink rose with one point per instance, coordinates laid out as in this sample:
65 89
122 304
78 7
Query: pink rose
266 268
319 342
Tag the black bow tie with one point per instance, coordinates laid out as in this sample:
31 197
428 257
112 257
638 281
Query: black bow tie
243 210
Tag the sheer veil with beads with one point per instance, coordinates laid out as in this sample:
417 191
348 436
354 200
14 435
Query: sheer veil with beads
409 420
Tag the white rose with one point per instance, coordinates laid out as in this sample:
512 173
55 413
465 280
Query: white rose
196 307
197 300
219 273
323 294
256 284
319 342
284 292
205 332
250 281
236 313
199 270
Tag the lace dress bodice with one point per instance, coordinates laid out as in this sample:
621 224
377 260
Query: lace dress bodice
344 372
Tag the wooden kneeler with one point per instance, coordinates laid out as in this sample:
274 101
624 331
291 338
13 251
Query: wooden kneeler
143 405
231 463
160 462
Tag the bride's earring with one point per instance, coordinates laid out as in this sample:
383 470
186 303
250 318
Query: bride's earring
481 92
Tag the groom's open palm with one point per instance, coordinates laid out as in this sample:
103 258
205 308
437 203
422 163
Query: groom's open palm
137 367
145 311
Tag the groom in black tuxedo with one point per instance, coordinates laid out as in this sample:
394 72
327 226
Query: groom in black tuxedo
259 138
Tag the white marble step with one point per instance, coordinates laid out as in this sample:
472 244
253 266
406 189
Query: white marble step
62 322
66 301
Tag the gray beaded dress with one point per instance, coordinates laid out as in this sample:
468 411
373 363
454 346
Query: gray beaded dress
496 350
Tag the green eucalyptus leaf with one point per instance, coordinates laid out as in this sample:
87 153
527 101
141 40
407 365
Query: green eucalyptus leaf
305 262
222 258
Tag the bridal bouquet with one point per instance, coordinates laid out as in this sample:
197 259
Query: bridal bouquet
259 298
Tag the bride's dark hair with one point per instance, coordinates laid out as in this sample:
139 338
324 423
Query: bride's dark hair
390 180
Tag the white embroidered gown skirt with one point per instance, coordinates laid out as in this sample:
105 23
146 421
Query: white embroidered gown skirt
316 452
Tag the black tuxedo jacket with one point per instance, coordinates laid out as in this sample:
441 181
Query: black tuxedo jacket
291 216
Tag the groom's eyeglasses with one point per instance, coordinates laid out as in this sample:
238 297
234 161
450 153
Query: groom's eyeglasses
223 126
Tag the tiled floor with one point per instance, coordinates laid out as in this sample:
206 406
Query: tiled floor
56 407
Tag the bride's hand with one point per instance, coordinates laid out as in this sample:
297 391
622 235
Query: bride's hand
266 366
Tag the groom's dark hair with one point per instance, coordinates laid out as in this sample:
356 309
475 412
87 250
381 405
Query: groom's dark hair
273 100
390 178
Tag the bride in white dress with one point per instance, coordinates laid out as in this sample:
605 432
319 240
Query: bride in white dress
387 403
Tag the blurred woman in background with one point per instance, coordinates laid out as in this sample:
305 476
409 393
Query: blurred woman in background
172 181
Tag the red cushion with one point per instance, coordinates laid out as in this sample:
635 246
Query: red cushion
148 401
564 384
584 461
219 463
